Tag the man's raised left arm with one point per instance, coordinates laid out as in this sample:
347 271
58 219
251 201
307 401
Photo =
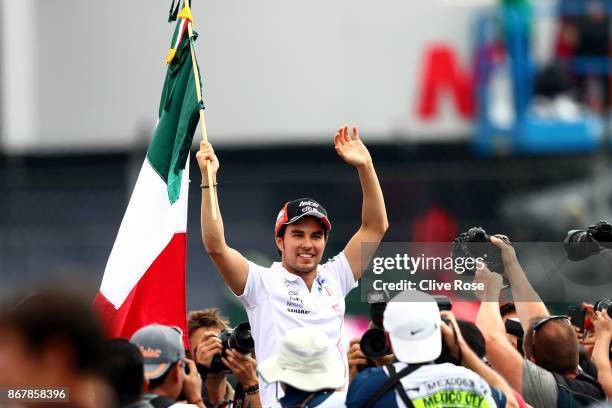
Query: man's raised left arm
374 222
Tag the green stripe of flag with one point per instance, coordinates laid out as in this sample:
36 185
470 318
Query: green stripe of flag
178 118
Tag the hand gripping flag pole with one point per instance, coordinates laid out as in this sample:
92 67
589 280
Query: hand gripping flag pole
186 13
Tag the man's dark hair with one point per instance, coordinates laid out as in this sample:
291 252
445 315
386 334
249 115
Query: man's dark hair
473 337
281 231
50 316
555 348
122 369
157 382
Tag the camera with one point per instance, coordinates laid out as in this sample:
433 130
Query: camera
374 342
239 339
604 304
581 244
475 243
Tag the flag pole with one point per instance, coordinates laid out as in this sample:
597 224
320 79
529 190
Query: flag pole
196 76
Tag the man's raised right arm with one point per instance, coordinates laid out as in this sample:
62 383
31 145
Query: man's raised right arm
233 267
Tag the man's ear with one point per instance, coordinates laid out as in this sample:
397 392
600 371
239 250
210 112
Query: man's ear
279 243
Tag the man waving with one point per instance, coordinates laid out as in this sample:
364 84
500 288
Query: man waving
298 291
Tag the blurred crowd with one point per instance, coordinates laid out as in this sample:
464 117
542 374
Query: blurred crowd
514 355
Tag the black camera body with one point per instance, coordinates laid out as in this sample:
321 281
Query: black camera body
581 244
239 339
475 243
603 305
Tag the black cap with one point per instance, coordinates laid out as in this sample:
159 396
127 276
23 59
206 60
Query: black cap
302 207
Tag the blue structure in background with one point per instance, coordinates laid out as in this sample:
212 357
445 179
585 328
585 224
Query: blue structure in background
527 133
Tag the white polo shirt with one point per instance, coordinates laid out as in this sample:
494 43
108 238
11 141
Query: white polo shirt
278 301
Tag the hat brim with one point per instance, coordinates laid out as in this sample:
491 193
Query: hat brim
316 214
271 371
417 351
154 371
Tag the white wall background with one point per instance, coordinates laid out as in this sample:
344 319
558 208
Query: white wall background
87 74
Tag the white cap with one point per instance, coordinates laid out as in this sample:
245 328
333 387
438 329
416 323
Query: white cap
305 361
412 319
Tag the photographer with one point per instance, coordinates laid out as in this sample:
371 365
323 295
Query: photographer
358 360
601 351
204 328
549 374
416 333
168 372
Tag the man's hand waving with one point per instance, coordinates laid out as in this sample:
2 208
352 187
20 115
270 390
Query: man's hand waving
351 149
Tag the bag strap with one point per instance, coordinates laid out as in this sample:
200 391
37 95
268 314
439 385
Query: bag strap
391 382
400 389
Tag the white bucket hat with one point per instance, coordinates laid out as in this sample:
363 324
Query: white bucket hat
412 319
305 361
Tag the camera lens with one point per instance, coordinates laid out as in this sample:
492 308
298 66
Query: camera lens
579 245
242 339
374 343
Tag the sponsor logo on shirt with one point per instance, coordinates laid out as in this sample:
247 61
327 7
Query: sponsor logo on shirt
451 398
450 382
298 311
295 303
458 392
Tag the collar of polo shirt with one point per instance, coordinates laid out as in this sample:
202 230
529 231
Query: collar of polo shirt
288 275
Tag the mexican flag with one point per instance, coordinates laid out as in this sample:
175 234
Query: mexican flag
144 279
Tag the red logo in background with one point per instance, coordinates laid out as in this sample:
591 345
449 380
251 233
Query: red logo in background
442 74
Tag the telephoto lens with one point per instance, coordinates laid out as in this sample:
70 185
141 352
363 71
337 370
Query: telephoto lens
241 339
581 244
374 343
